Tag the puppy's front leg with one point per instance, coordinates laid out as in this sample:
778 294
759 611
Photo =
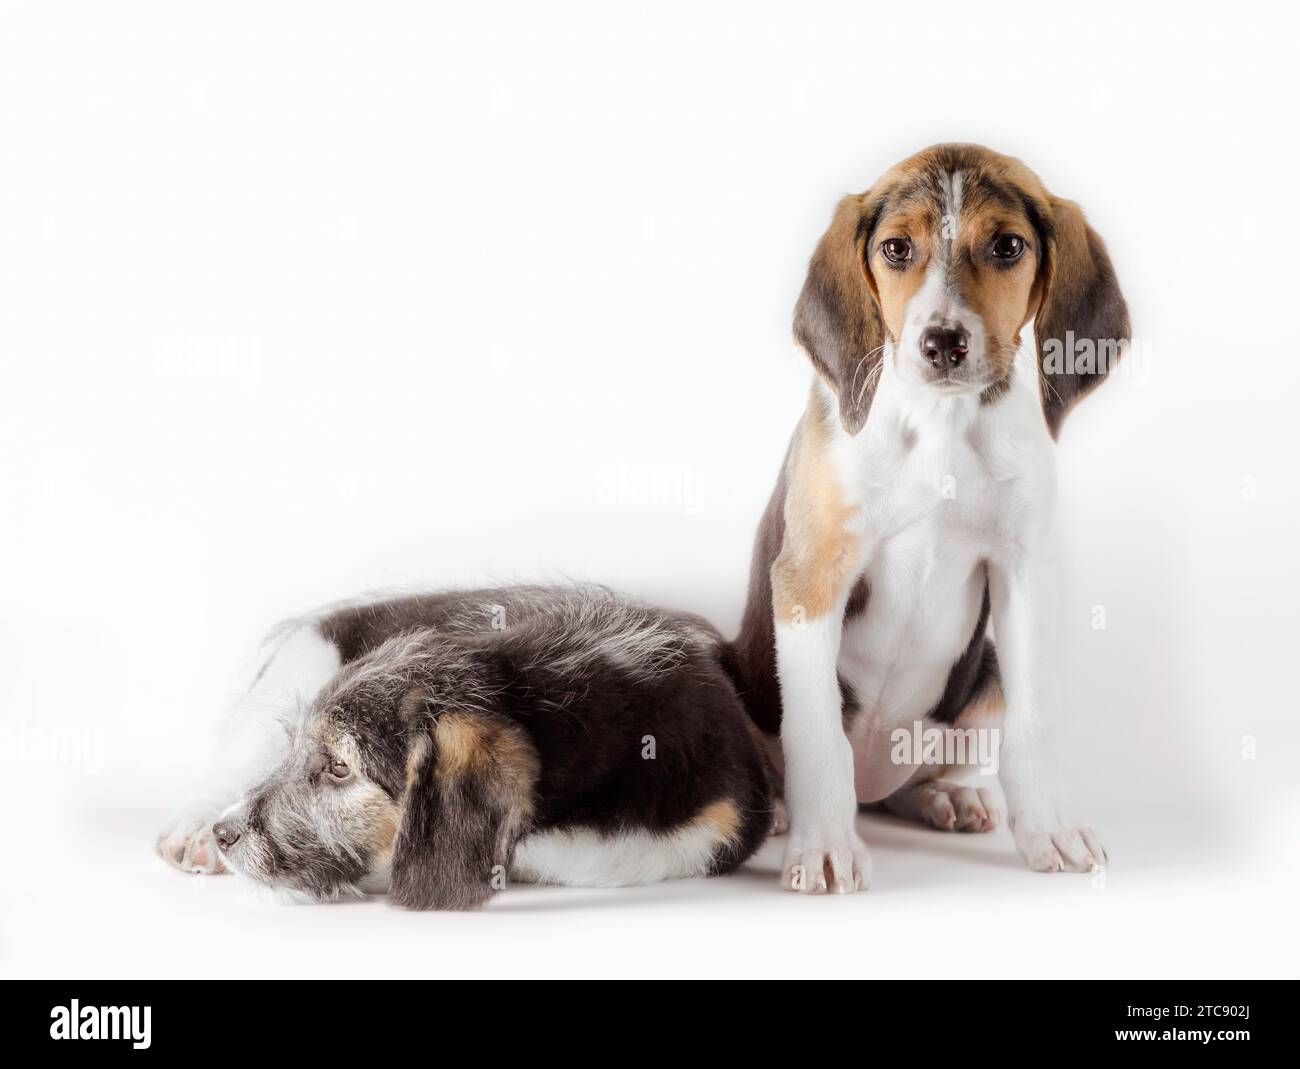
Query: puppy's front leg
824 851
1023 595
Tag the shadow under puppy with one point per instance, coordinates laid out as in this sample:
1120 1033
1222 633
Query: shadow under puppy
553 735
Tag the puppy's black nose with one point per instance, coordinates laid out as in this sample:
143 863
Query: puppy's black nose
227 833
945 348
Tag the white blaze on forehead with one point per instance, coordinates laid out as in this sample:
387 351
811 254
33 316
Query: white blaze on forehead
952 194
938 300
950 191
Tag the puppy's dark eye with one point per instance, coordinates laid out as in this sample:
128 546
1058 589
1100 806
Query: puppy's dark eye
897 250
339 769
1008 247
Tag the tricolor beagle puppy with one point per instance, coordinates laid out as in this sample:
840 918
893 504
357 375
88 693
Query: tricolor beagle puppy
916 507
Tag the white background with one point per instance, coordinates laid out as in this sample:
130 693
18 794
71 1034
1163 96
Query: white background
297 302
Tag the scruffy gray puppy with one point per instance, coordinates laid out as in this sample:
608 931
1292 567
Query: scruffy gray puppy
454 741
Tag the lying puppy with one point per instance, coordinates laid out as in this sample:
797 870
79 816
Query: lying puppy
554 735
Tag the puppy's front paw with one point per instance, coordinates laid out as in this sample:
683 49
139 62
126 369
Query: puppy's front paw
191 847
1059 849
816 864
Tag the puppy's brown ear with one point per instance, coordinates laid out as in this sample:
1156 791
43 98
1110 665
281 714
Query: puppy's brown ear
837 320
1082 325
468 799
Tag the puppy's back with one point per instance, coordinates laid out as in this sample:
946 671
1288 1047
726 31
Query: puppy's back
629 712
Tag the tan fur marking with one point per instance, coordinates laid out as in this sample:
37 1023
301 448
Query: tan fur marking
468 745
1004 299
722 818
382 817
462 746
988 705
820 550
894 289
515 760
983 713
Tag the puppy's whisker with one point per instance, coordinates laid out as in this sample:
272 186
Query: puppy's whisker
872 375
1047 385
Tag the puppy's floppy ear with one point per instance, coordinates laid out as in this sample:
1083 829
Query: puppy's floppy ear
468 799
1082 325
837 319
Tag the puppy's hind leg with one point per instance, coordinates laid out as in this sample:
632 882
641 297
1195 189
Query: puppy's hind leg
946 805
936 795
250 742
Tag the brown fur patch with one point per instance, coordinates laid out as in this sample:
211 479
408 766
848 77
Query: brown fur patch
382 817
984 712
462 746
471 745
893 288
836 319
819 550
988 705
722 818
1080 295
1005 299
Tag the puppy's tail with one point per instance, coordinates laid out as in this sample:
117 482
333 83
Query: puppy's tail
469 798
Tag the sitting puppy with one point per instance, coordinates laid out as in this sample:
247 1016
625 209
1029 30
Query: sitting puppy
553 735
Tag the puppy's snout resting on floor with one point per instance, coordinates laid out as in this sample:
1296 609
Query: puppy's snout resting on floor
439 747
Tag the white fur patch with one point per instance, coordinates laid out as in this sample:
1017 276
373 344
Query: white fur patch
585 858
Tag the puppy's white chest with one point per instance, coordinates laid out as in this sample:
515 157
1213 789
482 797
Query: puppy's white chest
934 511
926 496
932 516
